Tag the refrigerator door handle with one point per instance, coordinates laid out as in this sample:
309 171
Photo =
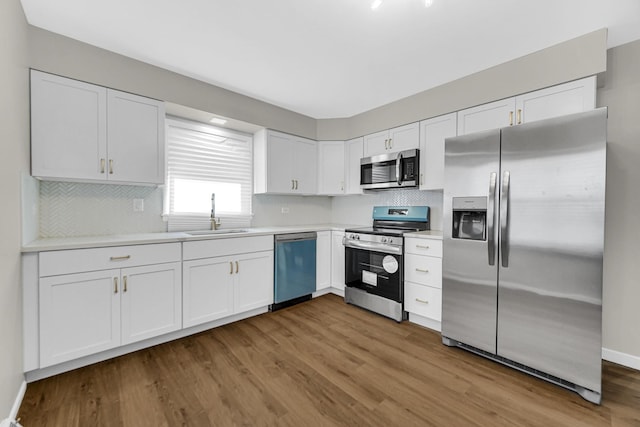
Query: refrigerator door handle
399 168
491 218
504 219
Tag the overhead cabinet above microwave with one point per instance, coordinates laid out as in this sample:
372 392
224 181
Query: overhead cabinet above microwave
393 140
85 132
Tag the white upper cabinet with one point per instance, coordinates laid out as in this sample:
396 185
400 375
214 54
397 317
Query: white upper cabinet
284 164
135 129
567 98
68 128
493 115
331 167
353 152
84 132
393 140
433 132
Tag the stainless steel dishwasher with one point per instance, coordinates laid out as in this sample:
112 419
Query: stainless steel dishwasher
295 268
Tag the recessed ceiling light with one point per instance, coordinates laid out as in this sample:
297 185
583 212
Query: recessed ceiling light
217 121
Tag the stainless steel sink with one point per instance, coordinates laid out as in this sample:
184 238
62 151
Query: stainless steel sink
214 232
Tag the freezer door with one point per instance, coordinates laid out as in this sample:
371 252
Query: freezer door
469 262
552 234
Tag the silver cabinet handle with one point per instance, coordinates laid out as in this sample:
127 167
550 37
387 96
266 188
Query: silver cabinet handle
386 144
421 270
510 118
519 115
399 168
120 258
424 301
102 165
237 267
110 166
115 285
230 267
124 283
491 218
390 143
296 184
504 219
422 247
293 185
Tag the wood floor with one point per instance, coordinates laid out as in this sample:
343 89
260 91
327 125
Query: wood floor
320 363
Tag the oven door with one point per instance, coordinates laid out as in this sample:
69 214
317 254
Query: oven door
375 272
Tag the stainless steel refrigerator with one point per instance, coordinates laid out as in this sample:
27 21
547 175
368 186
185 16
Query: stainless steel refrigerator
523 246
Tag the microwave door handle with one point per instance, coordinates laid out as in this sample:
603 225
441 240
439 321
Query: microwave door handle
399 169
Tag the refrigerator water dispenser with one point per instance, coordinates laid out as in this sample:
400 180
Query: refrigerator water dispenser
469 218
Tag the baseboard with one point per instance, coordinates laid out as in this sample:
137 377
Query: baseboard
339 292
620 358
16 406
425 322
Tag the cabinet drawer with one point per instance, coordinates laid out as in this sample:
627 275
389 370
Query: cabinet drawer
81 260
424 270
423 300
431 247
223 247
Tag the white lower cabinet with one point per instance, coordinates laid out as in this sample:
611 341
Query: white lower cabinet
220 286
323 260
423 281
337 260
89 312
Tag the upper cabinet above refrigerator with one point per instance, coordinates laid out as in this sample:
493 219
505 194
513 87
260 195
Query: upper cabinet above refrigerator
555 101
85 132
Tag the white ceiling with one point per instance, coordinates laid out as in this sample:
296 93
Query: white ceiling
331 58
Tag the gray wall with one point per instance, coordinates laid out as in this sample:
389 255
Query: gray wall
571 60
621 299
61 55
14 155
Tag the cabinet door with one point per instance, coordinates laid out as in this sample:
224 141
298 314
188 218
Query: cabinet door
323 260
376 143
353 150
568 98
253 287
79 315
279 163
433 132
405 137
135 138
337 260
305 162
331 170
151 301
486 116
207 290
68 128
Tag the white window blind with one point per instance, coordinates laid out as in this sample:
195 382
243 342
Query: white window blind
201 160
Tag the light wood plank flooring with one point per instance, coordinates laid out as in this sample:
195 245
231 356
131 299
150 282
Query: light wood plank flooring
320 363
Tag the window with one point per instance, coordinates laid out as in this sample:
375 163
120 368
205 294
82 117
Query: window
203 160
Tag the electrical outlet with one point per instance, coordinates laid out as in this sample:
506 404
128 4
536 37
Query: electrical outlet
284 210
138 205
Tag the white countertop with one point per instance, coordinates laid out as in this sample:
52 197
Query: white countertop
61 243
427 234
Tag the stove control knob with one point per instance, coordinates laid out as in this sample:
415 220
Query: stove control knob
383 240
357 237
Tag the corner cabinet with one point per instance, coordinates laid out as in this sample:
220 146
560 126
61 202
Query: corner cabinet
91 300
392 140
353 151
331 168
284 164
85 132
567 98
222 277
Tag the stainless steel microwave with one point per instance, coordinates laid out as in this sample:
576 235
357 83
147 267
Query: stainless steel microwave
394 170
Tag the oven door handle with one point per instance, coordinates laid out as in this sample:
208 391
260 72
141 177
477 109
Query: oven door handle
374 247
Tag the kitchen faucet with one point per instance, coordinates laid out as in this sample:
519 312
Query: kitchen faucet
215 222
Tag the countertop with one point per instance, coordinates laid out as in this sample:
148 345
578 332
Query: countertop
62 243
428 234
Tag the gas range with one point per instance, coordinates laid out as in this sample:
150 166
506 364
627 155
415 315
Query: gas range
374 273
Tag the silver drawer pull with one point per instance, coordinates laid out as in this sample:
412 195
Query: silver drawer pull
424 301
120 258
422 247
421 270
